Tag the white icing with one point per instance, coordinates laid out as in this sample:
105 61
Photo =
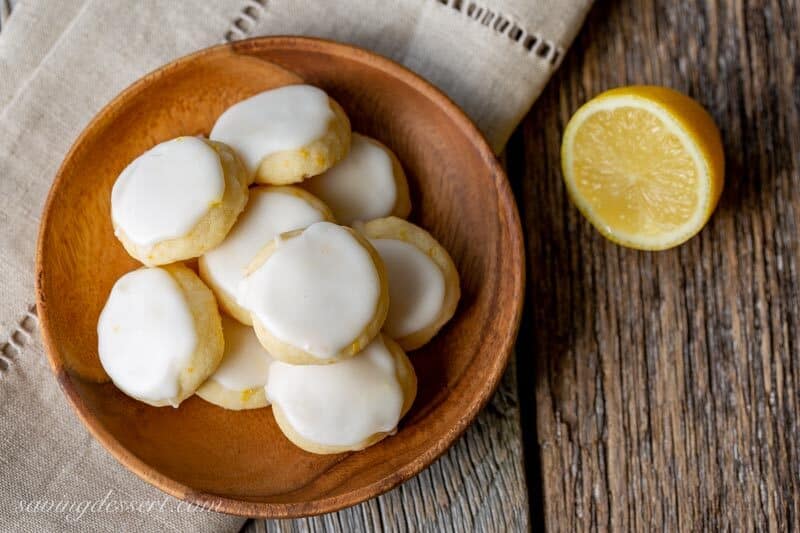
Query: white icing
165 192
268 214
340 404
416 287
361 186
146 335
286 118
245 364
317 291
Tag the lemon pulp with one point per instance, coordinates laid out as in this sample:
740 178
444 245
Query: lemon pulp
644 165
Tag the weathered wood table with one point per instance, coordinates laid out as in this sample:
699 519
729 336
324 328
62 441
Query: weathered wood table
661 390
655 390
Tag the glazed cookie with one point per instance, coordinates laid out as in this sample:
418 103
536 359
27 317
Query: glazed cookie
269 212
346 406
239 381
178 200
286 134
423 281
159 334
368 183
317 295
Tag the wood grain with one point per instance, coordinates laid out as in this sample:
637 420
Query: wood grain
478 485
239 462
659 391
664 386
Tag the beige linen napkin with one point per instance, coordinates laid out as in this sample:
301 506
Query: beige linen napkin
60 62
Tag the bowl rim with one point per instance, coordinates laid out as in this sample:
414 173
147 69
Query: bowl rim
443 442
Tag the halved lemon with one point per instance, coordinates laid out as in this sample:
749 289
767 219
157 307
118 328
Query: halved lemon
644 165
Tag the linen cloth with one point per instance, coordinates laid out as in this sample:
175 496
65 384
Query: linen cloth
60 62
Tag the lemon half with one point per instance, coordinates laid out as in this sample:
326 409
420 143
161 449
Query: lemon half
644 165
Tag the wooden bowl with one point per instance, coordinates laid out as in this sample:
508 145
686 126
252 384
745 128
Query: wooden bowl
239 462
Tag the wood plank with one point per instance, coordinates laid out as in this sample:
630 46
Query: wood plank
666 384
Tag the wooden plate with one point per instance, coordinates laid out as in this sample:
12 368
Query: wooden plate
239 462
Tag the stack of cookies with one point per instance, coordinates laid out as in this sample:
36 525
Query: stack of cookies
308 286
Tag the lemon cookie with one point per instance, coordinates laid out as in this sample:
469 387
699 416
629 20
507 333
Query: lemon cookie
286 134
270 211
317 295
159 334
368 183
423 280
178 200
346 406
239 381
